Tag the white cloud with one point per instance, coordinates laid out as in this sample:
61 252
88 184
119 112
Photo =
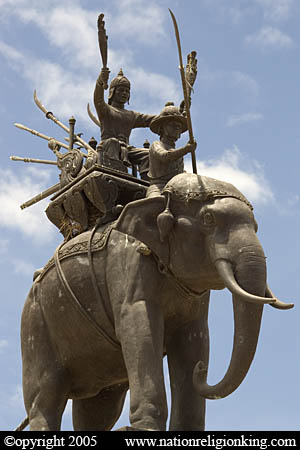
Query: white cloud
243 118
18 266
269 37
276 10
21 267
235 10
72 30
141 20
7 5
67 93
246 82
206 74
3 345
235 78
251 181
148 85
293 200
32 221
4 243
11 53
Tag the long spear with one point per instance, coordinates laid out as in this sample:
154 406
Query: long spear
41 135
33 160
51 116
185 92
51 190
52 143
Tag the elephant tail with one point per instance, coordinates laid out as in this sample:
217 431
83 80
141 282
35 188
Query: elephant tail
22 425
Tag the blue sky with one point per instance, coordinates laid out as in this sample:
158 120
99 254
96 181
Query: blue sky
245 113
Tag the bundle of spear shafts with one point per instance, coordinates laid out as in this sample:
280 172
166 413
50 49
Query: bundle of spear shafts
55 146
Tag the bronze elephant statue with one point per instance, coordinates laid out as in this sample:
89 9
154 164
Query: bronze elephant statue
114 300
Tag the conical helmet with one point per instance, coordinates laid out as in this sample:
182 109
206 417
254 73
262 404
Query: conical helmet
119 80
169 112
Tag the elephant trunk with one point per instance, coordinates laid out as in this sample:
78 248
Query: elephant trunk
250 276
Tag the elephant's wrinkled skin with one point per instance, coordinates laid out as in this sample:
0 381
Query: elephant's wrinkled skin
154 274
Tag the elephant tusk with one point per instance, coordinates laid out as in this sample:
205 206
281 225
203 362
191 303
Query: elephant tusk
225 271
277 304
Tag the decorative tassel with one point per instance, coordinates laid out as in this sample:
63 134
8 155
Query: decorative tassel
165 220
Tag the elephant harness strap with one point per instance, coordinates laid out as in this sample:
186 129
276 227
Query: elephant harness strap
181 287
72 295
164 269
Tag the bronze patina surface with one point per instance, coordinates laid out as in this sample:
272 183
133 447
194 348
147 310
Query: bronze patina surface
130 283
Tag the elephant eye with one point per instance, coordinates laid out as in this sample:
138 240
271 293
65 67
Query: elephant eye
208 219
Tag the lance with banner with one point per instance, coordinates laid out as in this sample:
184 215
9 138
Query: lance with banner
186 85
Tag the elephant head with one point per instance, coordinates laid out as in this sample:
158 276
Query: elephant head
203 234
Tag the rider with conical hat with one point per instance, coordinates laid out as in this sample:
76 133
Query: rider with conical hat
164 160
118 122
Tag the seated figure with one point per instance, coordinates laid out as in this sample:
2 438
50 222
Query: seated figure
164 160
117 123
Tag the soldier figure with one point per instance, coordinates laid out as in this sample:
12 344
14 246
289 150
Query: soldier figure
164 160
118 122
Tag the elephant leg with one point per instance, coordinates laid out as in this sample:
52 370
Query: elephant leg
189 345
45 405
101 412
45 390
142 331
45 382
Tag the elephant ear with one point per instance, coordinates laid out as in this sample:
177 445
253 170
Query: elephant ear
139 219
